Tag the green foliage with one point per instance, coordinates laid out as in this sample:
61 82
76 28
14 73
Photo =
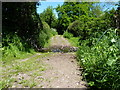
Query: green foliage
74 41
85 26
45 26
101 61
20 30
71 11
66 14
23 32
75 27
54 31
109 18
49 17
67 35
25 22
42 38
14 48
47 30
46 34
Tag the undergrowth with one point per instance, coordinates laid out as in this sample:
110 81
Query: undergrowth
53 33
101 61
13 48
73 40
68 35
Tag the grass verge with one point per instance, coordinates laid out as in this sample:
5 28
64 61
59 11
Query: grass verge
23 73
74 41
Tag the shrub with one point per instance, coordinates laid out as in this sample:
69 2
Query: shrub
45 34
54 31
75 28
47 30
67 35
85 26
12 47
74 41
101 62
42 38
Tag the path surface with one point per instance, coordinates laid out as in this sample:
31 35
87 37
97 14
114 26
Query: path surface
59 41
45 70
62 70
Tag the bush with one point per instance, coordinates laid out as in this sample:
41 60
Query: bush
74 41
75 28
47 30
42 38
54 31
13 48
67 35
101 62
46 34
85 26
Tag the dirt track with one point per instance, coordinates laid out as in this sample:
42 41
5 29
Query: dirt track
45 70
59 41
62 70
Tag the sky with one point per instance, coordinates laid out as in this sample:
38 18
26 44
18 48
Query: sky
44 5
54 4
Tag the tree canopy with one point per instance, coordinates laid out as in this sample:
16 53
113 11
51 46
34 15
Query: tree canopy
71 11
48 16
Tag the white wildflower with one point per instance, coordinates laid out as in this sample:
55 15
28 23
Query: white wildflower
113 40
111 49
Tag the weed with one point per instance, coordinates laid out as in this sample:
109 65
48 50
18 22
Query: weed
74 41
101 62
15 67
67 35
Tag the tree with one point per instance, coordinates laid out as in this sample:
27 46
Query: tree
71 11
96 10
21 19
118 15
48 16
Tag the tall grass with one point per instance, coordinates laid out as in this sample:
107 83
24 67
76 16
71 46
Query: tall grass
73 40
13 48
